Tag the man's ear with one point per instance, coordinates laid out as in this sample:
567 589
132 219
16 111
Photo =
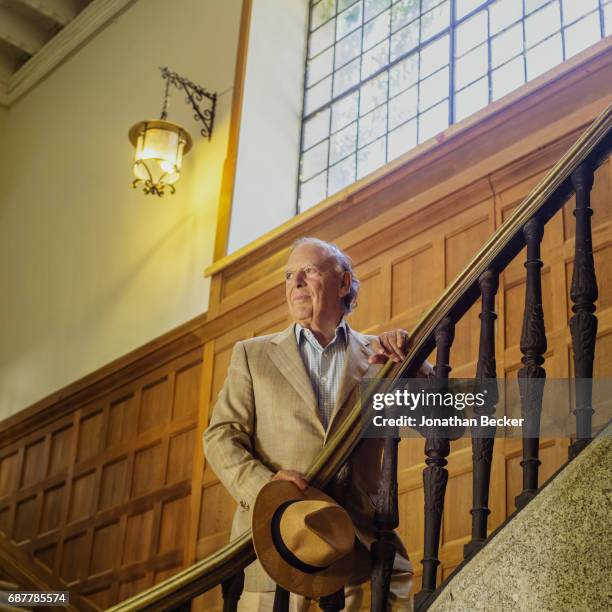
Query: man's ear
345 282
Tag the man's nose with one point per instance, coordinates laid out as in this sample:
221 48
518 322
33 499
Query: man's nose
300 278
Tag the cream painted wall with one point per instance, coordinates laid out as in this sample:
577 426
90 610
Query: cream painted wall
265 186
91 268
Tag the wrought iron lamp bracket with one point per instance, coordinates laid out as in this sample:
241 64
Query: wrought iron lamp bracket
194 96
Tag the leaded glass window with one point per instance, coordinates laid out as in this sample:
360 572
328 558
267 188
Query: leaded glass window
385 75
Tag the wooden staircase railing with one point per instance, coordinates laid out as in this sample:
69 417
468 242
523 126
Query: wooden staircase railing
572 173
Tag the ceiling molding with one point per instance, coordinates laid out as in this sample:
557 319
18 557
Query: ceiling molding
86 24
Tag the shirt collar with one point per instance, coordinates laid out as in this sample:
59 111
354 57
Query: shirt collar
341 332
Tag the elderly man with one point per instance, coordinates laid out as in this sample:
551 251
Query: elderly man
285 395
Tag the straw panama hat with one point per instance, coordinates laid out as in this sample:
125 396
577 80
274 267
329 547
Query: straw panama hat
305 541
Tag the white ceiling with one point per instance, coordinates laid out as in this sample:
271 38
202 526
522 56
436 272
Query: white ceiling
36 35
27 25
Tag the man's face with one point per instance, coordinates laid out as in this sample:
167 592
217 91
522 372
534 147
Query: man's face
313 286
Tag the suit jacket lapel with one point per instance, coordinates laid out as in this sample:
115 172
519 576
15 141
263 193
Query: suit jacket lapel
356 368
285 355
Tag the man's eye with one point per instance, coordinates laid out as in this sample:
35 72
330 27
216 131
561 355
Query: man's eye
288 275
310 270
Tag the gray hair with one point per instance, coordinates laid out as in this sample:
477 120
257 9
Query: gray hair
343 264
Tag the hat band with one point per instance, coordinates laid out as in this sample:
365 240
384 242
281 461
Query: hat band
283 551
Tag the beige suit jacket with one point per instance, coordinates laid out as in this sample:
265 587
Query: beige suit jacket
266 419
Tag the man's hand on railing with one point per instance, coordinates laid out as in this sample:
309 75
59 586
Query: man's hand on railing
392 345
294 477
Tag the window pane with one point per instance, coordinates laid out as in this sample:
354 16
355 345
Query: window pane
573 9
471 66
313 191
608 19
433 89
342 174
342 4
402 139
503 13
372 125
472 99
371 157
507 45
403 107
471 33
435 21
342 143
404 74
403 13
314 160
344 111
318 95
375 59
542 24
532 5
319 67
508 77
582 34
316 128
373 7
348 20
376 30
467 6
321 12
346 77
404 40
348 48
434 56
373 93
544 56
322 38
434 121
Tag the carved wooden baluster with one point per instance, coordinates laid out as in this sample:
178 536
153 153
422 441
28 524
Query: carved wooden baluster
532 375
583 324
484 437
281 600
333 602
435 475
232 590
386 519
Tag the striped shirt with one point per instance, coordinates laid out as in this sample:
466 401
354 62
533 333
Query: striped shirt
324 366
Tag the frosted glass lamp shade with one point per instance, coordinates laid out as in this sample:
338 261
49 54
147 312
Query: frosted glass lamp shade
160 146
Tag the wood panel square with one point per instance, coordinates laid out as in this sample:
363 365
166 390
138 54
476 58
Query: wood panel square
164 574
25 519
147 466
129 588
370 310
220 367
5 520
81 497
112 484
46 555
180 456
187 391
155 406
174 523
89 436
122 421
105 548
34 463
458 502
461 246
61 441
53 501
138 533
102 597
9 474
411 281
74 558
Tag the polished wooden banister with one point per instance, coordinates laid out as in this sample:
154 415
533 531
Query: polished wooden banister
544 201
